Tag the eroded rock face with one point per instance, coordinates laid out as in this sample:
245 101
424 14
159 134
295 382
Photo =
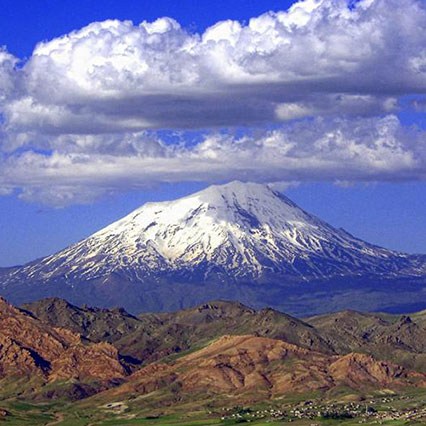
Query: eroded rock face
243 364
16 359
150 337
31 347
360 370
98 361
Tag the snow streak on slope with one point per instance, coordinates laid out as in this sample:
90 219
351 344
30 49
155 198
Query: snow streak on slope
241 231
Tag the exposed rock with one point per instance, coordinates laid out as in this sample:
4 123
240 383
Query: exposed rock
151 337
360 371
399 339
269 354
238 365
29 347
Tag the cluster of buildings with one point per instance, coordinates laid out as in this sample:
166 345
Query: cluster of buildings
375 410
249 415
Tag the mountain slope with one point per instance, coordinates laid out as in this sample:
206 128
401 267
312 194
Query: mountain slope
247 369
202 247
95 324
243 230
33 349
397 338
153 336
150 337
389 337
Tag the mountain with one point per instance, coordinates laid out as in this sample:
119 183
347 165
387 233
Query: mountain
47 354
240 230
95 324
239 240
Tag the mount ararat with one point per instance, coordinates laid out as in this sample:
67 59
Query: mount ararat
240 241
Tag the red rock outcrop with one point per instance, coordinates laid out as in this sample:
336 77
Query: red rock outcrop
239 364
31 347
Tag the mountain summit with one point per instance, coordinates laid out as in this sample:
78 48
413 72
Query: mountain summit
233 233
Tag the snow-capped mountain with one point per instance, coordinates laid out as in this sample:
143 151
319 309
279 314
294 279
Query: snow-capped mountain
238 232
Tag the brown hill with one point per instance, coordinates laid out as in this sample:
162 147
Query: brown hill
150 337
30 347
96 324
396 338
221 350
257 368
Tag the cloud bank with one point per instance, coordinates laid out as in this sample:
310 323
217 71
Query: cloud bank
319 57
364 149
85 109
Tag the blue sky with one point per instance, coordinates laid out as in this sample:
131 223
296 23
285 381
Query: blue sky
310 95
24 23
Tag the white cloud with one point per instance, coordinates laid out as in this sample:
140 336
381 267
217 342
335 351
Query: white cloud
283 186
5 191
7 74
80 119
364 149
419 104
320 57
334 105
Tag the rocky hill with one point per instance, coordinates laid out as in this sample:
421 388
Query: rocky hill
217 354
398 338
150 337
250 368
30 347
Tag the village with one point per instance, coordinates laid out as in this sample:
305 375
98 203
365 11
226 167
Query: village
371 411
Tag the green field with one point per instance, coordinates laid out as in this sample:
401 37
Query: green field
134 412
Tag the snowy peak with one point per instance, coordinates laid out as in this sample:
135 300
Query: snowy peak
249 205
237 231
198 227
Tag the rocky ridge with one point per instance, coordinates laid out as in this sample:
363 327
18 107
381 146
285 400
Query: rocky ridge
31 347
